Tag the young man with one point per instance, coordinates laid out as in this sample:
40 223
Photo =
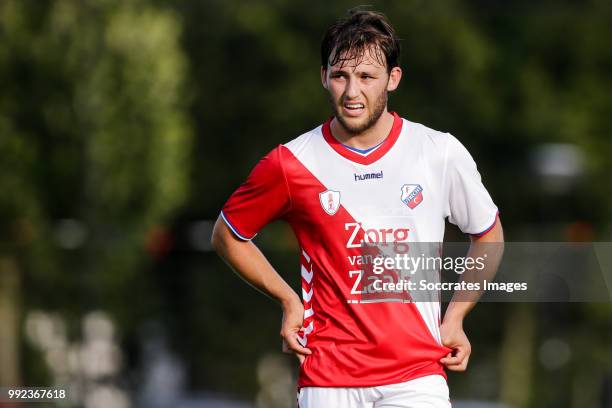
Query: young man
364 175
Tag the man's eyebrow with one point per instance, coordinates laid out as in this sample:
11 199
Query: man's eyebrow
337 71
344 71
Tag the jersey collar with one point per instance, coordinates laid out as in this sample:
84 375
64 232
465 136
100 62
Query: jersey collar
387 144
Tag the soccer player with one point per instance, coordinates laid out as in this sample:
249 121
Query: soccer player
368 175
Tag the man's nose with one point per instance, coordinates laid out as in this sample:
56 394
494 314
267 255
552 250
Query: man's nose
352 90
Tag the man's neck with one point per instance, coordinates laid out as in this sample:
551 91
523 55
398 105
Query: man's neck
366 139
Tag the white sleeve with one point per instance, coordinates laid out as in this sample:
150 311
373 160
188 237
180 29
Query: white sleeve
470 206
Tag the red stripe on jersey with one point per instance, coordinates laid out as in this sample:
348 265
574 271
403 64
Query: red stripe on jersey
356 157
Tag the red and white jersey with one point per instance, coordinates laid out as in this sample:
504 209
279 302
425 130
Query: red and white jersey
334 198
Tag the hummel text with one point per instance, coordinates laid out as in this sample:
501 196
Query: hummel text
368 176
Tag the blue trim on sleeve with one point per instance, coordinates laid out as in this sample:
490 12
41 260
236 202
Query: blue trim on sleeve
480 234
234 230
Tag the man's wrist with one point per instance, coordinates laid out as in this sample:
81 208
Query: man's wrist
291 300
455 314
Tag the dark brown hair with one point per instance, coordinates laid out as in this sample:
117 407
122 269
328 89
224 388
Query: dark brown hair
352 36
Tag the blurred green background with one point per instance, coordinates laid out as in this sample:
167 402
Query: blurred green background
125 125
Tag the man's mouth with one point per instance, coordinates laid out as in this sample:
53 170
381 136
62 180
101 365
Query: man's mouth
353 109
353 106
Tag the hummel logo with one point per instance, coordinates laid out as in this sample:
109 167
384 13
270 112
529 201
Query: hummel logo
368 176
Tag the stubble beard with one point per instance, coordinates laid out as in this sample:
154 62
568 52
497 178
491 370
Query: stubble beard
379 108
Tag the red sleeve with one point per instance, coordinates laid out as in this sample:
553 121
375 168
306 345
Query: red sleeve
262 198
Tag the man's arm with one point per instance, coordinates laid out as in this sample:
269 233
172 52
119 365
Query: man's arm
451 329
252 266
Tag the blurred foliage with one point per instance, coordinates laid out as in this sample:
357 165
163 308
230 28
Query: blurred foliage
94 123
102 100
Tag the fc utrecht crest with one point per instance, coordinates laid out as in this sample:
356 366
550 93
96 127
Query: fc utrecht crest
330 201
412 195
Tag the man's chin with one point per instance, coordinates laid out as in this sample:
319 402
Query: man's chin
353 125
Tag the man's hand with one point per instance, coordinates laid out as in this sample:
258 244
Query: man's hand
454 337
293 319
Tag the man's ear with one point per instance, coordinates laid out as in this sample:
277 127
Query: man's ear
324 77
395 76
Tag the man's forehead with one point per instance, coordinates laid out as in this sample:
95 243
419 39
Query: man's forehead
371 57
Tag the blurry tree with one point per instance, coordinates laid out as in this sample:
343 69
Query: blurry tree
94 130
